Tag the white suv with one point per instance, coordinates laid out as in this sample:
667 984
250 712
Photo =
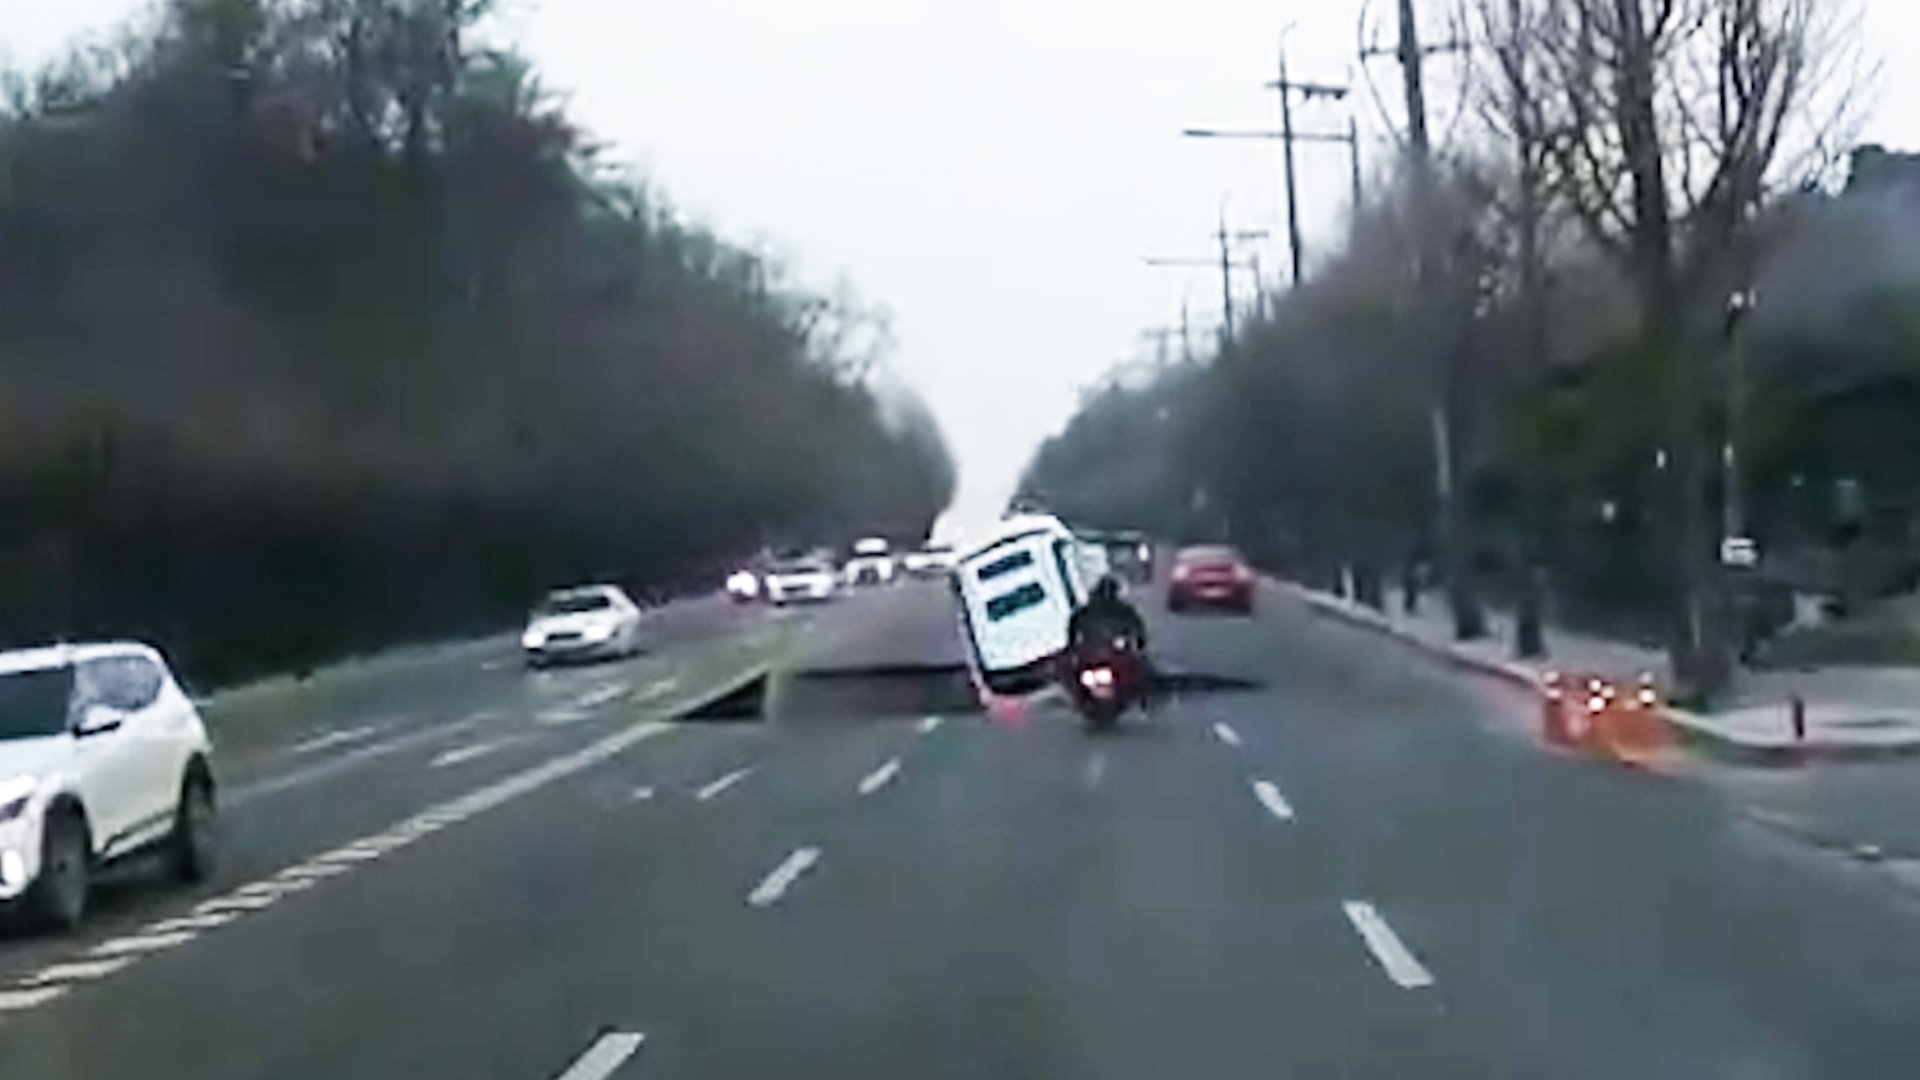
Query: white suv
101 755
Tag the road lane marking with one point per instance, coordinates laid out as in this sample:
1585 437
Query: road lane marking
722 784
642 794
657 688
26 991
1226 734
235 902
928 725
1096 769
327 739
562 715
776 884
1402 967
210 921
331 766
77 971
142 943
593 699
460 755
1271 798
608 1052
20 1000
879 777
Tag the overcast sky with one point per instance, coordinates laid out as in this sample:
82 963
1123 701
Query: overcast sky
993 173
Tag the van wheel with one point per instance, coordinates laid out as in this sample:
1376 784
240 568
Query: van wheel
59 897
194 844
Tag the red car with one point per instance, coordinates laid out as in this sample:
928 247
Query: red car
1210 576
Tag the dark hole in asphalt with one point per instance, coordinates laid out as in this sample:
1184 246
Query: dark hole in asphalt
748 701
1178 683
897 690
877 690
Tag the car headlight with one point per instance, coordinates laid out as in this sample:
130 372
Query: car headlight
532 639
597 631
15 793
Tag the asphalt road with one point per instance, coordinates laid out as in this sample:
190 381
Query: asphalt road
1359 865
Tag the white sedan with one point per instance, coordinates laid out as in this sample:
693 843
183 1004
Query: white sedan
586 623
804 579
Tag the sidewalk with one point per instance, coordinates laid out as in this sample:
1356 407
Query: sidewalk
1849 712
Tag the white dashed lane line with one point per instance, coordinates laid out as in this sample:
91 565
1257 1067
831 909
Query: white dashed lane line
1226 734
776 884
1270 797
593 699
642 794
460 755
143 943
329 739
1401 965
77 971
1096 770
19 1000
721 785
332 766
608 1052
928 725
880 777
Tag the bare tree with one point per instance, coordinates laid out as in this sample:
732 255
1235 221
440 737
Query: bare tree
1513 104
1669 123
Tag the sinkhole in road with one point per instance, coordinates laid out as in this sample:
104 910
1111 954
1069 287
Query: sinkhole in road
874 691
893 691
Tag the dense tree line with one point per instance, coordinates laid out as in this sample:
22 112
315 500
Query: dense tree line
1644 245
321 328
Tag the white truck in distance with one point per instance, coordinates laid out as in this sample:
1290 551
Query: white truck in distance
872 562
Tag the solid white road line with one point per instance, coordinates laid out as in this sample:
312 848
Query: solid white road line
769 891
1271 798
929 724
1402 967
143 943
879 777
1226 734
608 1052
18 1000
722 784
461 754
334 738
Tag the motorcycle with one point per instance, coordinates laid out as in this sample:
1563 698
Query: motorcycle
1106 678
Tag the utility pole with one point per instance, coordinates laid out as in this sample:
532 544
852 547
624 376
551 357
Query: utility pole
1226 279
1456 537
1284 87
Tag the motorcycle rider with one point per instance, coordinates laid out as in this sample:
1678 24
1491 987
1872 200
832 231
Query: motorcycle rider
1105 618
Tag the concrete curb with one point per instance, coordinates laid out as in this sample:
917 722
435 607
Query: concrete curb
1355 615
1689 729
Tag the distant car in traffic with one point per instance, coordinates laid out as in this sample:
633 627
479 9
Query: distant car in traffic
743 585
930 561
102 755
806 580
872 562
1211 576
590 622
